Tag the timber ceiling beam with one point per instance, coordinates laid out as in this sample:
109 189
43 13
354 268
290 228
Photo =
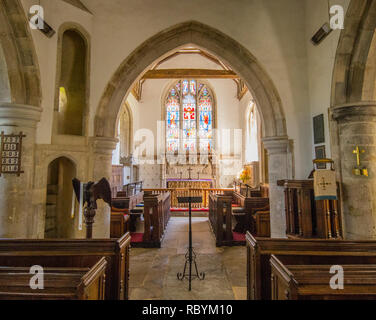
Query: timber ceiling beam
190 73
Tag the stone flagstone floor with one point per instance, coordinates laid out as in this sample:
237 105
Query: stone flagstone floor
153 271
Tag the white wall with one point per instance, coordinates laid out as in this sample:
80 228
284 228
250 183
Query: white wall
56 13
320 63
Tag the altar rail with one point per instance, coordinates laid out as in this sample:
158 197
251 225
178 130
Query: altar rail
185 192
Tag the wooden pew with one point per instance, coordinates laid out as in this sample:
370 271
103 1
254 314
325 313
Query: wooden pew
59 283
120 219
156 217
220 213
312 282
299 252
74 253
261 223
127 202
251 205
124 204
307 218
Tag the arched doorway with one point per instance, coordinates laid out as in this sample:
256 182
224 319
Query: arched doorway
242 62
58 222
353 109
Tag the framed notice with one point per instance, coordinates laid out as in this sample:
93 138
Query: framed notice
10 155
319 129
320 154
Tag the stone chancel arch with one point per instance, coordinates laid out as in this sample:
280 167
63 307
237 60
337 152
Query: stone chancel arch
207 38
241 61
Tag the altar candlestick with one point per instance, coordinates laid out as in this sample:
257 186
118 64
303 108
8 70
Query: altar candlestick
190 171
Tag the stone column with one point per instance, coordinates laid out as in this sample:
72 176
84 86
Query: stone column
357 127
102 168
279 168
18 219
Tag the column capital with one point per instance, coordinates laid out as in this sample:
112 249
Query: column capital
104 145
277 145
363 109
19 115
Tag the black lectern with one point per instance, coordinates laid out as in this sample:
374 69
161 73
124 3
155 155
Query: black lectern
190 257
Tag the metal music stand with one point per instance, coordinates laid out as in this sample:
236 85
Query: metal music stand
190 257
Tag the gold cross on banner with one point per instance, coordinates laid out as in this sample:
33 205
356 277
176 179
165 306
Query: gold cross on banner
357 151
324 184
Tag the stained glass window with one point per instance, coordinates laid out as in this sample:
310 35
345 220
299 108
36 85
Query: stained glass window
205 109
189 106
173 120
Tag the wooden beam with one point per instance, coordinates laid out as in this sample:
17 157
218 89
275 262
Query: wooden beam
190 74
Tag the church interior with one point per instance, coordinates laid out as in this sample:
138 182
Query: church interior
188 150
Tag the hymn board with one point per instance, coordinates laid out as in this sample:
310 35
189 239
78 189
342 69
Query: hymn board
10 155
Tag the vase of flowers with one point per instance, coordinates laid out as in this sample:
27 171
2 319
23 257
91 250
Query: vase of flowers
245 175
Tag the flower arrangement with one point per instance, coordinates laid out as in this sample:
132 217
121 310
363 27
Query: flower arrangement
245 175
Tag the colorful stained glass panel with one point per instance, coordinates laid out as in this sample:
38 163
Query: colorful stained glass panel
206 115
189 145
189 107
205 145
172 146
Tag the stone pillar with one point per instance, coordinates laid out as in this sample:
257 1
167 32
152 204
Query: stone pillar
18 219
357 127
279 168
102 168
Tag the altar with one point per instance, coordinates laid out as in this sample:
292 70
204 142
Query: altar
189 184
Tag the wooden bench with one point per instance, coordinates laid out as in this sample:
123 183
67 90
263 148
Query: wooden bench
250 206
59 283
127 202
157 213
312 282
220 218
120 219
74 253
299 252
261 223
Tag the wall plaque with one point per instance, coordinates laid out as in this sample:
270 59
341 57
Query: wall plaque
11 152
319 129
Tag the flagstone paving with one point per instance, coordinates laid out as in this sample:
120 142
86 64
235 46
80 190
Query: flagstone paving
153 272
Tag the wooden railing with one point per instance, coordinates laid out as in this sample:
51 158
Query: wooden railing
175 193
133 188
248 191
